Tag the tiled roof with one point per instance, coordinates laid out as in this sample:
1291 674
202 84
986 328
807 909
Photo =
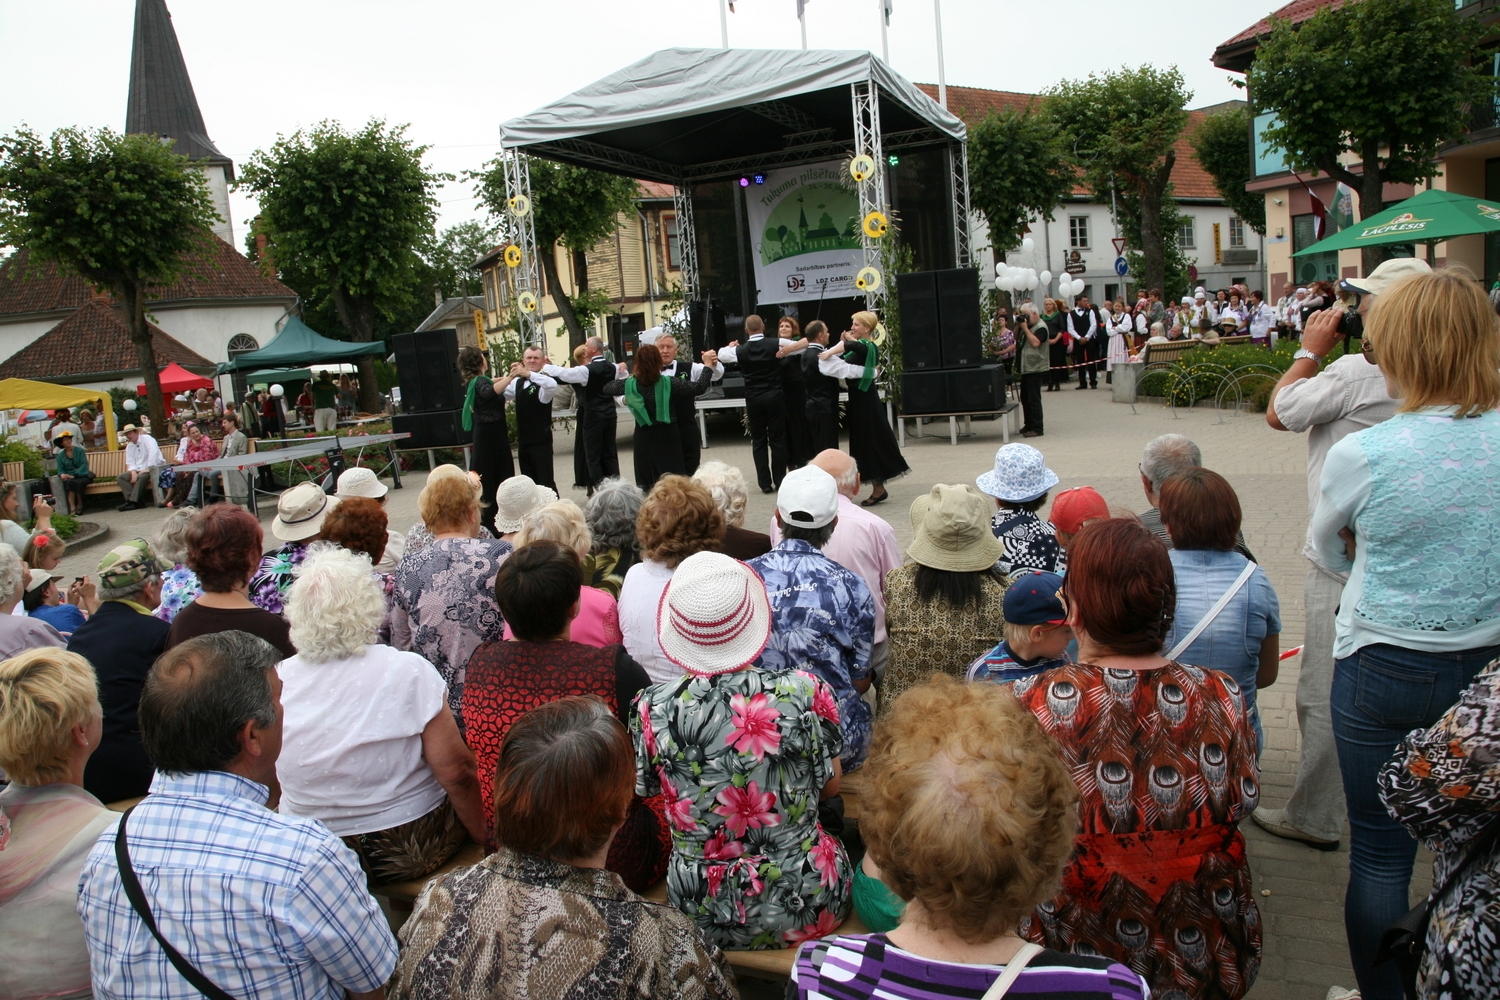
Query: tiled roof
93 341
653 190
1296 12
220 273
974 104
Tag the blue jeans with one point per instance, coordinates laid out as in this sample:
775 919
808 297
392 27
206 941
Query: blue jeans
1380 694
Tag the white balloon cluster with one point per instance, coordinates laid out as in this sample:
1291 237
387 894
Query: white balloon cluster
1068 287
1017 279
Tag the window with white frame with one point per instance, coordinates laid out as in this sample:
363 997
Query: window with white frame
1185 237
1078 232
1236 233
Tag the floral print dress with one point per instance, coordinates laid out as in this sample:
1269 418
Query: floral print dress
179 588
739 760
278 569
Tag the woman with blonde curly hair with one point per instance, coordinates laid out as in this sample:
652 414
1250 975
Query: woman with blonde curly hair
369 746
968 818
50 722
678 519
598 620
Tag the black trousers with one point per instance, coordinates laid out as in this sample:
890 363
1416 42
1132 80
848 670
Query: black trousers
798 438
692 444
1031 401
822 432
536 462
1059 372
1087 354
767 416
599 447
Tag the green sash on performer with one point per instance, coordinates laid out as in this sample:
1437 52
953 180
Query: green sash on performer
869 377
468 414
637 404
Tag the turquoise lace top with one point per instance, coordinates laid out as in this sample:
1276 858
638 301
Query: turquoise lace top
1420 493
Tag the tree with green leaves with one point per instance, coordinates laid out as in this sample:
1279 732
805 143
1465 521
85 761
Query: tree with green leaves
1119 129
452 256
348 212
572 207
1388 82
1019 169
122 212
1222 142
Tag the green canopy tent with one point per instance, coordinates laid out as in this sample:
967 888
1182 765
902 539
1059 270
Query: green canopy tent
1430 217
299 345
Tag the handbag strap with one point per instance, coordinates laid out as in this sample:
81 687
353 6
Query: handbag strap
138 903
1013 970
1213 612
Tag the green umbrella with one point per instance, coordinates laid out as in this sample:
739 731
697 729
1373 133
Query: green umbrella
1429 217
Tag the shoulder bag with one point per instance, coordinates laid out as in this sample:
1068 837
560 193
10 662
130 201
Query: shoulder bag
137 899
1013 970
1405 941
1213 612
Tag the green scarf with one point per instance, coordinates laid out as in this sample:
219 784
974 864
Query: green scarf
637 403
869 377
468 414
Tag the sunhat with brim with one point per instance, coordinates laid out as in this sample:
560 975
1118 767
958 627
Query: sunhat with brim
714 616
1020 475
300 512
1385 277
515 498
360 482
952 526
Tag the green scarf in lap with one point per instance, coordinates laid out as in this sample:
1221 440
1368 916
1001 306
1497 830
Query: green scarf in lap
637 403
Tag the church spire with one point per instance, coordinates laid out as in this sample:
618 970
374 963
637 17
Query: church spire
161 94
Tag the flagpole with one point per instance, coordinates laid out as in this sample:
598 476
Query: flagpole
802 21
723 24
937 17
885 45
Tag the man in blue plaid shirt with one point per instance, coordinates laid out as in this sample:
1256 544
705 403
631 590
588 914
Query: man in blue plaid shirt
263 905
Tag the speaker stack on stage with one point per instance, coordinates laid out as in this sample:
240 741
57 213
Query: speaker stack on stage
942 346
432 392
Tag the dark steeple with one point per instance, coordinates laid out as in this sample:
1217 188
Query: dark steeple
161 94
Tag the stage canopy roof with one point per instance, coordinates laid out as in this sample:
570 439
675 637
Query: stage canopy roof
300 344
705 114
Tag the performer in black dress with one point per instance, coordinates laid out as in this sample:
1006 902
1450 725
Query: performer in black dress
649 396
799 449
484 414
871 440
822 392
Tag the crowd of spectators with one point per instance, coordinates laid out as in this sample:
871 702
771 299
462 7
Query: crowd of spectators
1051 723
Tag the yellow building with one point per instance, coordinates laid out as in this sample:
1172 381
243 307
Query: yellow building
638 268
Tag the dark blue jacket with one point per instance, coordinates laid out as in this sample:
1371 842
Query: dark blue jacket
122 644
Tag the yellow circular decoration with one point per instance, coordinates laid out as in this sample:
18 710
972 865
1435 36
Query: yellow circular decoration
867 280
527 302
861 168
513 256
879 335
520 206
876 225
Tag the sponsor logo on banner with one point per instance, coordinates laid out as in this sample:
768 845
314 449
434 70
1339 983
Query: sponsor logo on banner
805 225
1404 223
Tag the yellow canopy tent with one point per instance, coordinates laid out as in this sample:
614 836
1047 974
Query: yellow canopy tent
25 394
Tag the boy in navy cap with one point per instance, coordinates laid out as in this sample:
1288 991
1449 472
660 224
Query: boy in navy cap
1036 632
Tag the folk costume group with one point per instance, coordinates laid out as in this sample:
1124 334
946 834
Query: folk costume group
792 385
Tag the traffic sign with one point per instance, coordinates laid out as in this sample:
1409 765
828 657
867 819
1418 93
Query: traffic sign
1121 268
1192 272
1119 242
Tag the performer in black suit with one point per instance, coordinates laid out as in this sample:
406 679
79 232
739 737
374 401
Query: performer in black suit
597 409
799 450
765 404
531 391
685 408
822 392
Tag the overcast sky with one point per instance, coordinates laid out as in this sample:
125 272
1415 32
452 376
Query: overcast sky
455 69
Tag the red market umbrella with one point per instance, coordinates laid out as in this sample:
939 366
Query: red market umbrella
175 379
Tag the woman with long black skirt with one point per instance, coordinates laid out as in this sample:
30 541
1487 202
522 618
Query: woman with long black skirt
648 396
871 440
484 414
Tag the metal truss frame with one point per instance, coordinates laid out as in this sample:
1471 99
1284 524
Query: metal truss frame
522 232
958 191
687 238
865 99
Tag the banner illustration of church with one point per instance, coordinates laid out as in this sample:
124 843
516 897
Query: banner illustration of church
805 226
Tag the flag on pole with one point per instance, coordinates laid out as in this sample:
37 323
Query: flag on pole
1319 210
888 13
801 6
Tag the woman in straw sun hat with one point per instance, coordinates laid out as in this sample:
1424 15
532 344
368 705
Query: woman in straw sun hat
946 606
741 757
298 523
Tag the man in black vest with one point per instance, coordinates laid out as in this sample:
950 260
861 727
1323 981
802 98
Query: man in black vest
1083 324
596 409
765 404
685 408
531 389
822 393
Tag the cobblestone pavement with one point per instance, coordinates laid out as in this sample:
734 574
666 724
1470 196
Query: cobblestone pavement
1092 441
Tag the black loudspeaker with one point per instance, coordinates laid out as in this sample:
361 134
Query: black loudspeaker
974 390
958 317
408 371
706 324
921 340
432 429
924 392
437 359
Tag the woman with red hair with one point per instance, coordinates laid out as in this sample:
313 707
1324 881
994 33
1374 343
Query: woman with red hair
1164 758
658 441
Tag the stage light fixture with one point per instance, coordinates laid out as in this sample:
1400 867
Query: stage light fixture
760 178
893 159
744 182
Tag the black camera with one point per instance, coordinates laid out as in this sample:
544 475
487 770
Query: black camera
1351 323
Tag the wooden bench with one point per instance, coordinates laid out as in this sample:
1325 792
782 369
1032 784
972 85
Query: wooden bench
773 962
1157 356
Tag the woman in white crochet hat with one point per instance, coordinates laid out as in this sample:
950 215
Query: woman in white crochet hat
742 756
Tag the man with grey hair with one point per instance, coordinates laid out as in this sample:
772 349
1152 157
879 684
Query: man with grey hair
122 639
238 896
685 408
1164 458
595 409
19 632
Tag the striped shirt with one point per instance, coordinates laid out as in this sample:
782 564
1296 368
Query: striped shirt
265 906
860 966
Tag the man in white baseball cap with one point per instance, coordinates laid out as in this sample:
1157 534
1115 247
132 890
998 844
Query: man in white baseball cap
823 615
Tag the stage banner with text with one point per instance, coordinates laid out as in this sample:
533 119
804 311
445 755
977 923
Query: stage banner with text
806 235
